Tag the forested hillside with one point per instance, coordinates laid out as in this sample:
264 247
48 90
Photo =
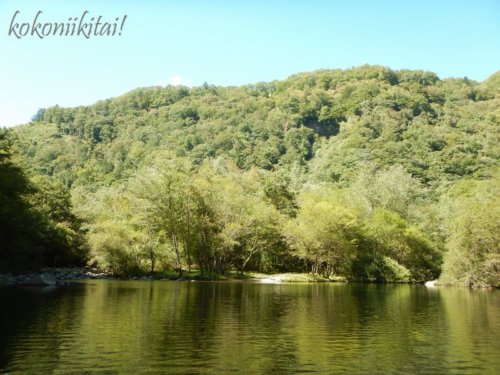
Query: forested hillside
367 173
37 226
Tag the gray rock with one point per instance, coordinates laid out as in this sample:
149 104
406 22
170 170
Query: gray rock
42 279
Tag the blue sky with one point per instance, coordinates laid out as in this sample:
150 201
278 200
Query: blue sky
234 42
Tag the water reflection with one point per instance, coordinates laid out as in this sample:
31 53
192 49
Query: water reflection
183 327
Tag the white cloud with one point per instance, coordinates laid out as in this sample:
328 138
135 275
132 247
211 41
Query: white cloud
178 80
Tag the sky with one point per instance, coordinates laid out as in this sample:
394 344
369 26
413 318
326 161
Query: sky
221 42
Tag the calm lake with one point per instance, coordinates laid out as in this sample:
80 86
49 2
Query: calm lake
251 328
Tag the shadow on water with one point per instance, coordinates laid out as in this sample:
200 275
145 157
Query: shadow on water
190 327
36 317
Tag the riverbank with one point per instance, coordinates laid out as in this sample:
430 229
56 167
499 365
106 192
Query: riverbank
63 276
53 276
66 276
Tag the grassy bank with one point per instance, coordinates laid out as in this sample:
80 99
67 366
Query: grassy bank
234 276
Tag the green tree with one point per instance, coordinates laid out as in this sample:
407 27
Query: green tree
37 227
473 245
392 236
325 232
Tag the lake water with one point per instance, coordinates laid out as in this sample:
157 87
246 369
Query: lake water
248 328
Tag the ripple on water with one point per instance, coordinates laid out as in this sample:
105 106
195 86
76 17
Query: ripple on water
166 327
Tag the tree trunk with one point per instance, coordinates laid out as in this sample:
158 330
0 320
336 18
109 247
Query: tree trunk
153 260
177 255
252 252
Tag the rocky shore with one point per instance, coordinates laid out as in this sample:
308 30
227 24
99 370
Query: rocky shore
65 276
53 276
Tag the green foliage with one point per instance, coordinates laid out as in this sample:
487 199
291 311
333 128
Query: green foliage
395 238
332 171
325 232
381 269
393 189
37 227
473 246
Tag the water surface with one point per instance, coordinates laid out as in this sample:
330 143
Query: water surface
185 327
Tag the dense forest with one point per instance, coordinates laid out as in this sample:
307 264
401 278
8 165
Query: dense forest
367 173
